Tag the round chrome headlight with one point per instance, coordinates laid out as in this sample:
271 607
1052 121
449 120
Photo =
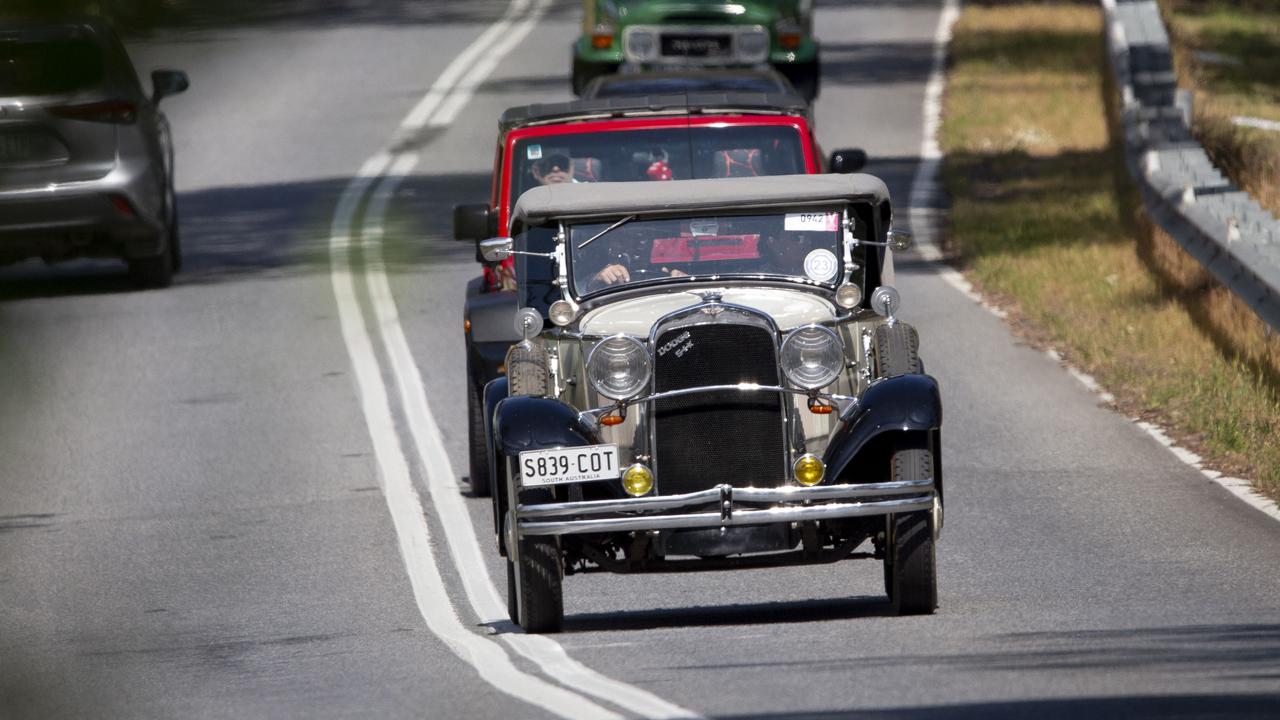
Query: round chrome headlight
640 44
562 312
812 357
618 367
848 295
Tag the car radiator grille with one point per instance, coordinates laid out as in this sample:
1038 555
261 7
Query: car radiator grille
705 439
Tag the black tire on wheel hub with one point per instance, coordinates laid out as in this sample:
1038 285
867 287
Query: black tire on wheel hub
535 600
910 563
478 454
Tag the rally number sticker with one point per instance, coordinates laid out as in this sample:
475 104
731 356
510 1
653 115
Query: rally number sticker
811 222
820 265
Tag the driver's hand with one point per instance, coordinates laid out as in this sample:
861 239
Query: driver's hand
612 275
678 273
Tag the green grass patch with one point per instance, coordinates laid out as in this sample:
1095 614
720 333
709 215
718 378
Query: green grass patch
1043 218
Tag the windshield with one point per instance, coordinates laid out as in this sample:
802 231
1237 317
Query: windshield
47 67
670 153
803 246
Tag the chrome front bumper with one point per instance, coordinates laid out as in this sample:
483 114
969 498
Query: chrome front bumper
666 512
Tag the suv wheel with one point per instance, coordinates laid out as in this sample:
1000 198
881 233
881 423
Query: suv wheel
153 272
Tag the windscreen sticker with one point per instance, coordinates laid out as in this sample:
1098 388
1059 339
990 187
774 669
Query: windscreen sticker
811 222
534 152
820 265
704 227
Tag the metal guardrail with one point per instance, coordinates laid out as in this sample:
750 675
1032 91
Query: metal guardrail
1218 224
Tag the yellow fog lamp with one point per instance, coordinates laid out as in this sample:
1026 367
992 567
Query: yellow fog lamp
809 470
637 480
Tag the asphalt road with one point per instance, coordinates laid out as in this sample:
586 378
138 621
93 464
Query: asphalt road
199 508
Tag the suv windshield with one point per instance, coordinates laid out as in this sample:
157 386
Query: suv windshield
48 66
672 153
802 246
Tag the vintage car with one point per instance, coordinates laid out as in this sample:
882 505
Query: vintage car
712 375
647 138
664 34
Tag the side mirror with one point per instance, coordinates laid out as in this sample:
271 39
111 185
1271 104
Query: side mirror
847 161
167 82
474 222
899 240
496 249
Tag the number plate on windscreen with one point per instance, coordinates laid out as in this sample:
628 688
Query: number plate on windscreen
569 465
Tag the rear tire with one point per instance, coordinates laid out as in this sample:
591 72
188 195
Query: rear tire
478 443
910 559
151 273
175 239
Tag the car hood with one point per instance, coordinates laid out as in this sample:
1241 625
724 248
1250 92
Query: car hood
637 315
699 12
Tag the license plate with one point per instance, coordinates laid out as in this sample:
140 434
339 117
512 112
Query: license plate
570 465
695 45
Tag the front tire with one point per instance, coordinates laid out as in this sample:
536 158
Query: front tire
478 454
535 598
910 569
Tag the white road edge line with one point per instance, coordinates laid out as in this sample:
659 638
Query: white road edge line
488 658
458 528
439 108
447 96
924 189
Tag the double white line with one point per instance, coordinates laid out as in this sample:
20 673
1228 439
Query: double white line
373 187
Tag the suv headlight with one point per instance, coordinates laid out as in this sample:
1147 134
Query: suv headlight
618 367
753 45
640 44
812 357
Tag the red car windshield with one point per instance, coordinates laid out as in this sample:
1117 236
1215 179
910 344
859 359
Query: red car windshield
668 153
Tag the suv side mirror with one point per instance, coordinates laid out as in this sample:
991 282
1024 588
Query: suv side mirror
850 160
474 222
167 82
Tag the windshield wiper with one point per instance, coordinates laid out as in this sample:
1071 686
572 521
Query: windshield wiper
593 238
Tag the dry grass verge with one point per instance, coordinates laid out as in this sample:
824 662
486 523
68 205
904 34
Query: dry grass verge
1045 218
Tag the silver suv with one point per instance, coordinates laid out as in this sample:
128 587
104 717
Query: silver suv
86 161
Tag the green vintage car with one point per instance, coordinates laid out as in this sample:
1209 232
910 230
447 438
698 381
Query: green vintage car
648 34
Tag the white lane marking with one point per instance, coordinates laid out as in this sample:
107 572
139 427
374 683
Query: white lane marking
924 189
451 508
924 186
465 60
1239 487
465 88
487 657
925 193
444 100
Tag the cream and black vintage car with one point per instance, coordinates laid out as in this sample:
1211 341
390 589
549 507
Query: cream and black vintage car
712 376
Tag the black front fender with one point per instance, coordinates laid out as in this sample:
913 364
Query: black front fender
533 423
906 403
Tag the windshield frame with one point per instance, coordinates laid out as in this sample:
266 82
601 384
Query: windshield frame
850 263
664 122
